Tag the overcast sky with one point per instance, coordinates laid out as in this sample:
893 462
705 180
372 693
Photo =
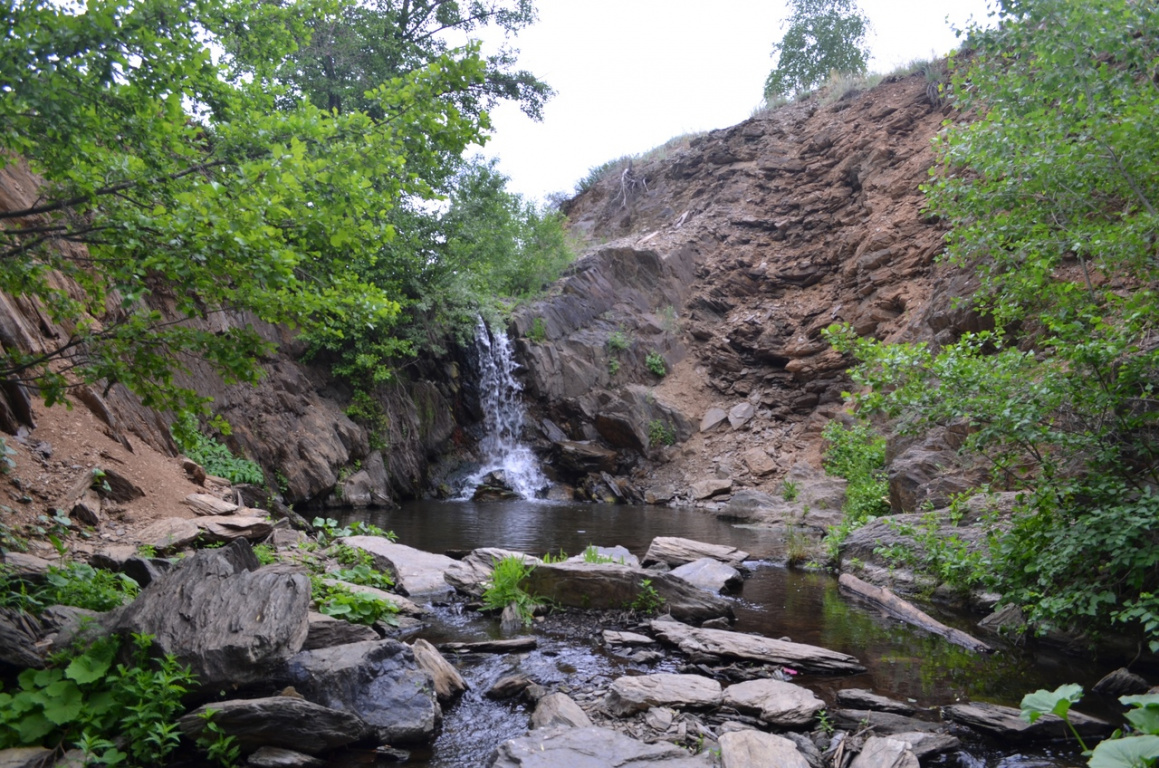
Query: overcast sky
631 74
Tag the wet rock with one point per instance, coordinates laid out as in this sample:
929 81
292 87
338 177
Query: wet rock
231 623
774 702
278 721
754 749
379 681
579 458
603 587
709 487
1121 682
204 504
1008 621
884 752
169 534
415 572
713 417
674 551
557 747
709 574
718 642
611 637
558 710
636 694
511 620
449 684
1007 723
741 414
327 631
882 723
859 698
513 645
276 757
509 687
927 744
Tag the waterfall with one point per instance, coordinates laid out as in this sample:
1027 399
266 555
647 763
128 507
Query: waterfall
499 394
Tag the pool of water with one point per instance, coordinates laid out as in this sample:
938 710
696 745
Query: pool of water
776 601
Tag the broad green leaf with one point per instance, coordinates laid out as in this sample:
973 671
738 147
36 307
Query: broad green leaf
34 727
65 702
1141 700
1129 752
92 665
1144 719
1056 702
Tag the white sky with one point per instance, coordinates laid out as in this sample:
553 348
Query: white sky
631 74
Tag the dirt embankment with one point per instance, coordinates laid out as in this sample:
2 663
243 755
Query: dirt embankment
727 259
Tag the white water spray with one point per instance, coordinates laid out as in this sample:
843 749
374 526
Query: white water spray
499 394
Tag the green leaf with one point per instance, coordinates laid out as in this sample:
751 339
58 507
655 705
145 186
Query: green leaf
34 727
92 665
1056 702
1141 700
1129 752
1144 719
65 702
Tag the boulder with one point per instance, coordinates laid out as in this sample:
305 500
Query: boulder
754 749
415 572
169 534
231 623
628 695
1007 723
369 486
709 487
1121 682
885 752
713 417
675 551
25 567
276 757
859 698
579 458
777 703
231 527
591 748
278 721
470 574
380 681
736 645
709 574
19 633
758 462
558 710
604 587
204 504
87 508
326 631
449 684
741 414
25 757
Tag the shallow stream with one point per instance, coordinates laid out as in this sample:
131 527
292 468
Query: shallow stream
901 662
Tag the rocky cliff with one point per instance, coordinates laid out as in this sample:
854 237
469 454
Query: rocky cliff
726 259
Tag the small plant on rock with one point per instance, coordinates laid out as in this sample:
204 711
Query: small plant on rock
789 491
648 601
655 363
503 588
537 333
661 433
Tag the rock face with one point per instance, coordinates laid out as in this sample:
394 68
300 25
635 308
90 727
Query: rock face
230 622
603 586
636 694
719 642
775 702
279 721
379 681
591 748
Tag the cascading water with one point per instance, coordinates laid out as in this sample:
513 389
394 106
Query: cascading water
499 394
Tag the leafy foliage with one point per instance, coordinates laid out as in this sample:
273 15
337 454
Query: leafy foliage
1139 748
85 700
212 455
654 362
647 601
857 454
72 583
350 605
1052 189
823 36
327 529
503 588
661 433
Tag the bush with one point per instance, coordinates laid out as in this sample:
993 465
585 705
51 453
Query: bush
655 363
209 453
503 588
858 455
661 433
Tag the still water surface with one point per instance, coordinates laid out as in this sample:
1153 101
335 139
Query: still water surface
776 601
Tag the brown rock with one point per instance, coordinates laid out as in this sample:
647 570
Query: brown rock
449 684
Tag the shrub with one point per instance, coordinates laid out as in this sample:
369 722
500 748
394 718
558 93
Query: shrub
655 363
618 341
537 333
212 455
661 433
857 454
348 605
503 588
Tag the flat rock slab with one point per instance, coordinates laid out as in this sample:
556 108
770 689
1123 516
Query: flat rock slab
708 574
204 504
380 681
609 587
736 645
326 631
278 721
231 625
415 572
617 554
230 527
405 607
885 752
449 684
859 698
169 534
612 637
927 744
511 645
712 418
882 723
1007 723
25 757
756 749
775 702
558 710
592 748
674 551
276 757
636 694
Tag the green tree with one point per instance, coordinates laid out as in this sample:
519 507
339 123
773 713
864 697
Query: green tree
823 36
1051 182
